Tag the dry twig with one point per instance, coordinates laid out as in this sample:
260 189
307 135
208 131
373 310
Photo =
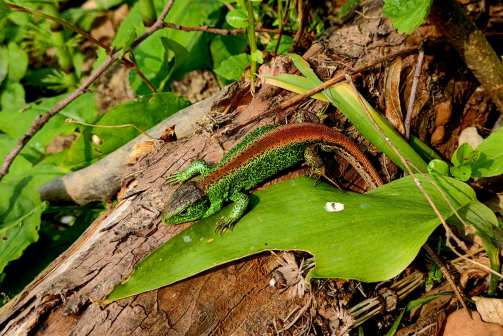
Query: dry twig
412 97
217 31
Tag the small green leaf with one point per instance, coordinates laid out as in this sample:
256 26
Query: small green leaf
11 101
463 155
130 28
462 173
20 215
175 55
257 56
18 62
407 15
237 18
438 166
490 161
285 44
359 242
233 67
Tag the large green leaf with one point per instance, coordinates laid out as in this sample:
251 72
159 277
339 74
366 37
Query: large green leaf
143 112
19 219
373 238
490 161
407 15
18 62
150 55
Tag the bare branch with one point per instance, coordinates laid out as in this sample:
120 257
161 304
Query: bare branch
412 97
217 31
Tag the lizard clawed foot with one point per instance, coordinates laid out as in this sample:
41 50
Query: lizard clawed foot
224 224
175 178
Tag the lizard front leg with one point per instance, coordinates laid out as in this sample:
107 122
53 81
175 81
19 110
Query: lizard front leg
197 167
239 207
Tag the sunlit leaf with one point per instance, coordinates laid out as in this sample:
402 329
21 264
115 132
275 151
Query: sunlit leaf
20 212
407 15
18 62
374 238
237 18
490 161
233 67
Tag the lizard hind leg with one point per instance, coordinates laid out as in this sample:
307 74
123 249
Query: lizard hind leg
314 161
241 201
197 167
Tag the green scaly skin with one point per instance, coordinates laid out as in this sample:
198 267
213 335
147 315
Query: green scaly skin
199 199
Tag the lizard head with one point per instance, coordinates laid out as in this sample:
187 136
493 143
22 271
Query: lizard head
188 203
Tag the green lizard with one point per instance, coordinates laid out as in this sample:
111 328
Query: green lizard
260 155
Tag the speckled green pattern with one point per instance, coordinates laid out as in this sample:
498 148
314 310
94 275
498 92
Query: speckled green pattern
247 140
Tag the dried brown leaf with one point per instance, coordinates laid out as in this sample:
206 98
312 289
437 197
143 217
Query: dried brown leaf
459 323
490 309
392 95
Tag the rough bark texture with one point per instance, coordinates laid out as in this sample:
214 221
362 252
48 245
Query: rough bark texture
234 299
473 47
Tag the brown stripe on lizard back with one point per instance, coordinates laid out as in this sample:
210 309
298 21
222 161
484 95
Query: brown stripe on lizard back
292 134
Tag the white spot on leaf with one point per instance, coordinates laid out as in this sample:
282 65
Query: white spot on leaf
334 207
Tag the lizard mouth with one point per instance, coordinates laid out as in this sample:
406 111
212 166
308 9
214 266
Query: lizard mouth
190 213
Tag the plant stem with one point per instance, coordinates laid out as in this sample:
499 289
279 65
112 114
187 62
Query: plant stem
412 97
253 44
280 18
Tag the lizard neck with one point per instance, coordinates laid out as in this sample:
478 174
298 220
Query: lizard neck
290 135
